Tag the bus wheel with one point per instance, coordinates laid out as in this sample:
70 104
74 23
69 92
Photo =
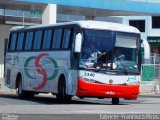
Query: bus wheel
61 96
81 97
29 94
115 101
20 91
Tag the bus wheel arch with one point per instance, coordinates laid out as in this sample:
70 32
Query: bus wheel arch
61 90
19 86
18 79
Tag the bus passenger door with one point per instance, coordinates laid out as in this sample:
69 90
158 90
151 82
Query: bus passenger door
74 55
74 64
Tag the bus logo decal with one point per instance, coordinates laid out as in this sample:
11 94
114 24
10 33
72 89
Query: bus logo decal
40 69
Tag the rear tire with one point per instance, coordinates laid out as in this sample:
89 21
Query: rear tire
20 90
115 101
21 93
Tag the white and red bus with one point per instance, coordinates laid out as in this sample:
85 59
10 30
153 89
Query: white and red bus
81 58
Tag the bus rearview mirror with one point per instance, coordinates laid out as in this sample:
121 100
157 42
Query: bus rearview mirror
78 43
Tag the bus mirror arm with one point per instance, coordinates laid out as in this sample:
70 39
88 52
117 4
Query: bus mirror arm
78 43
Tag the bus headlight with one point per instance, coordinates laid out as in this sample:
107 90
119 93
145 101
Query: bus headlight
87 80
134 83
90 80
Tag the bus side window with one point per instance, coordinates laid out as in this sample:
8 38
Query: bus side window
66 38
13 42
37 40
47 39
28 42
57 38
20 41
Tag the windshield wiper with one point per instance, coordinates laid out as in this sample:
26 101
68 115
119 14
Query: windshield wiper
104 53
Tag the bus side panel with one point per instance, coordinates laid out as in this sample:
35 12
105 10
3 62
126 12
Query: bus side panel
27 66
11 69
42 69
61 61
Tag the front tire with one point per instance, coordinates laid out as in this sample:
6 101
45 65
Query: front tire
115 101
62 96
81 97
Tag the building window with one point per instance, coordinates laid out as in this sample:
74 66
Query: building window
139 24
155 21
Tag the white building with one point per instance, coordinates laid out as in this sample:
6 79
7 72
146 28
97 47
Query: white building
149 27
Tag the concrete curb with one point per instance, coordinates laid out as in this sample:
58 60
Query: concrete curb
8 92
150 93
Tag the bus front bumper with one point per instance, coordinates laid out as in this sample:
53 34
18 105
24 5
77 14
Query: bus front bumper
88 89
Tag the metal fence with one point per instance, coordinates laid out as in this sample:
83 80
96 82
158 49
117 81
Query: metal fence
155 61
154 58
150 74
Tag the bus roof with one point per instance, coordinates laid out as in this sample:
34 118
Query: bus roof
90 24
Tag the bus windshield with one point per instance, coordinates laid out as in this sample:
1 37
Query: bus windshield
125 54
107 51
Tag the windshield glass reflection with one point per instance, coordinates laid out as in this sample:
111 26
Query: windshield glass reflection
95 47
101 51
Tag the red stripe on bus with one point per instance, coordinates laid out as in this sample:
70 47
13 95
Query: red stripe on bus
88 89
